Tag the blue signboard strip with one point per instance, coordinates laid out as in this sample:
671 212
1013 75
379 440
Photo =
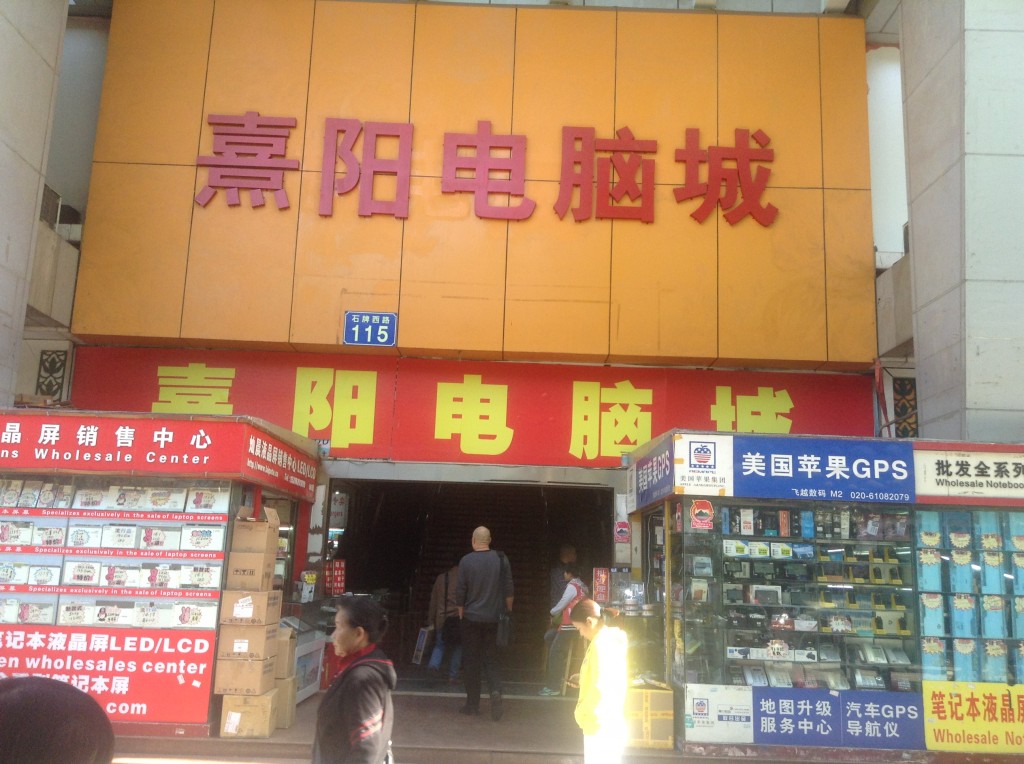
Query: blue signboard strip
846 719
655 476
835 469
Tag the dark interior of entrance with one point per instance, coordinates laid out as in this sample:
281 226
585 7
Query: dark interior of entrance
401 535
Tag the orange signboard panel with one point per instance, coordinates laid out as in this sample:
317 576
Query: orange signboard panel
518 183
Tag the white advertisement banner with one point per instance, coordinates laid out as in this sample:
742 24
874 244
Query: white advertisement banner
703 465
969 474
718 713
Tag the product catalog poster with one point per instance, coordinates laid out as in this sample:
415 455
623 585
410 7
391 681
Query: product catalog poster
718 713
136 675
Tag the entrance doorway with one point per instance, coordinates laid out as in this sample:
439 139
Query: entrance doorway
401 534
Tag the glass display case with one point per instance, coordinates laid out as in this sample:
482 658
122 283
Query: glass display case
835 575
818 597
97 551
114 538
696 638
284 564
762 594
970 584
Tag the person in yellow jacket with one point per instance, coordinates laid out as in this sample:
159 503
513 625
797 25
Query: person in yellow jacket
601 708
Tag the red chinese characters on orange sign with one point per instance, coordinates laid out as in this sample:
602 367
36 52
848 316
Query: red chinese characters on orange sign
580 150
248 153
737 188
339 141
610 178
484 173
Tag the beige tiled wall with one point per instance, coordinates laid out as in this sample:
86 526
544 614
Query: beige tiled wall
30 44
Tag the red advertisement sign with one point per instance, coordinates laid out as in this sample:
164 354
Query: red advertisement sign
68 442
602 585
136 675
401 409
702 515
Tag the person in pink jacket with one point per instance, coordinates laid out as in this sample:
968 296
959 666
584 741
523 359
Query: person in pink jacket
601 708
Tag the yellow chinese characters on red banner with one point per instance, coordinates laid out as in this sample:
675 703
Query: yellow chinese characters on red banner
973 717
411 409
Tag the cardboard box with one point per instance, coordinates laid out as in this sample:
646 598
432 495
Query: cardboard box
252 571
255 535
249 607
243 677
286 701
255 716
286 641
253 642
649 718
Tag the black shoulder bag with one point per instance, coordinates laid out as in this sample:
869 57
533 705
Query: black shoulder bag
505 617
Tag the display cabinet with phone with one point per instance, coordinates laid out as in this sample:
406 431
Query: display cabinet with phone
696 637
838 575
127 544
819 596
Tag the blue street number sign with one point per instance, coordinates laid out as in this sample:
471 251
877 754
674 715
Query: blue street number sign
377 329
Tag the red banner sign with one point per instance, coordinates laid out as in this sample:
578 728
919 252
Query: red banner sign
374 407
68 442
136 675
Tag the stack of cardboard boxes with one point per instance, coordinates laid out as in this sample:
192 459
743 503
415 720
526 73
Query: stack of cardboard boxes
284 676
248 641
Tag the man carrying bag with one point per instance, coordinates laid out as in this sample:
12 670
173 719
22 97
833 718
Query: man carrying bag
484 593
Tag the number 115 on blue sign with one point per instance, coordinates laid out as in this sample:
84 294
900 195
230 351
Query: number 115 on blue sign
377 329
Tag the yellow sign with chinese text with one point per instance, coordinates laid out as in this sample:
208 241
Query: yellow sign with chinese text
552 184
973 717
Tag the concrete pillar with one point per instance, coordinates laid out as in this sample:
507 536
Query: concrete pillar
963 77
31 37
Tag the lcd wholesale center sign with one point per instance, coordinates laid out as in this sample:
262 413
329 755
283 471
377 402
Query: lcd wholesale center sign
136 675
